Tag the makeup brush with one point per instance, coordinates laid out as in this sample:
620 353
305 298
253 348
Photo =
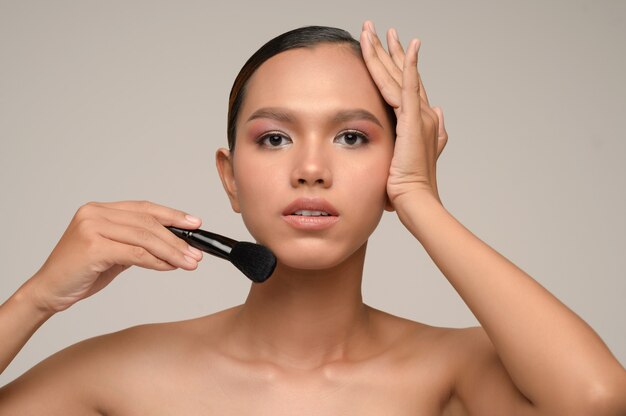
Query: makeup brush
257 262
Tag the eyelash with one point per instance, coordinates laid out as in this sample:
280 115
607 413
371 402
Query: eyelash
262 141
360 135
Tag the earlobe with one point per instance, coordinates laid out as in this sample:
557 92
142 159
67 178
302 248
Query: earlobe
224 163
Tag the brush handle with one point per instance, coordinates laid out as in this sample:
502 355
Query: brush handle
211 243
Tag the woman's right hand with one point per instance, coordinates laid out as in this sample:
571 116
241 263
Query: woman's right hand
104 239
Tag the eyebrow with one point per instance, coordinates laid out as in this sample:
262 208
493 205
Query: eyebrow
279 114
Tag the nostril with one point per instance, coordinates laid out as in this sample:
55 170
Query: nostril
317 181
312 176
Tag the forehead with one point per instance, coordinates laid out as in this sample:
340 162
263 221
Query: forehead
327 77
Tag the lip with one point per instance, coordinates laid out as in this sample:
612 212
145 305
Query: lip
310 204
308 222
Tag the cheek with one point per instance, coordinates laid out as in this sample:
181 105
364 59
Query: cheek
250 184
366 193
367 177
252 175
256 183
364 188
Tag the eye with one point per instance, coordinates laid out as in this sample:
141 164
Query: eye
274 140
351 138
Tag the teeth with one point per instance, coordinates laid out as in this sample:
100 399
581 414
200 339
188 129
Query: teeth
308 213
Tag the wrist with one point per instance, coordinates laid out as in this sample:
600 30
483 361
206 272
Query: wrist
27 299
417 199
418 211
19 319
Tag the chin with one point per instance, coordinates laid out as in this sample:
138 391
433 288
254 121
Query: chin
313 256
308 262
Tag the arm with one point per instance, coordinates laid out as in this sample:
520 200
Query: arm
101 241
551 355
19 319
553 361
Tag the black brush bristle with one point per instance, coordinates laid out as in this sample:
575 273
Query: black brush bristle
257 262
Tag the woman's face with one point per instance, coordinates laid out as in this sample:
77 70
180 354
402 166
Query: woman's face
314 145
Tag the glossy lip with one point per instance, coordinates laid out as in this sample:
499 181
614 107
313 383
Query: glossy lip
310 204
310 223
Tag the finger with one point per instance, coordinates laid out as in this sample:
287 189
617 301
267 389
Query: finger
395 48
442 134
386 84
414 95
385 58
150 223
422 90
410 81
165 215
398 55
128 255
147 244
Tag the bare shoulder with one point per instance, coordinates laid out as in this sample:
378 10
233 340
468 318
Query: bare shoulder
465 370
106 368
444 359
456 344
454 353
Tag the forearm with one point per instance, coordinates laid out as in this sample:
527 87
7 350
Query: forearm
19 319
549 352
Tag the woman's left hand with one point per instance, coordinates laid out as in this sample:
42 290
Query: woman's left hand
420 132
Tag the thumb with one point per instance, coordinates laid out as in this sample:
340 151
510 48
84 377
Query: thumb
442 134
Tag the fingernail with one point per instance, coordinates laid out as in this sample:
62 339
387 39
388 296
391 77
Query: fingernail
395 34
192 219
373 27
414 46
190 260
369 37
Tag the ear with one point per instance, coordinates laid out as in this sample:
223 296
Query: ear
225 168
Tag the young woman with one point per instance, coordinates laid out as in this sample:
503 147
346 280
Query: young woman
324 134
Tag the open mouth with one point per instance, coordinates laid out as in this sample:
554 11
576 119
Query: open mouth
311 207
309 213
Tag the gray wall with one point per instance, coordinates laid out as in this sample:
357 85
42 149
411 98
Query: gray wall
127 100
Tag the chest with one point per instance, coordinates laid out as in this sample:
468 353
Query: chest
232 391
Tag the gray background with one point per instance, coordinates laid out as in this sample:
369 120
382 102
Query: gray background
123 100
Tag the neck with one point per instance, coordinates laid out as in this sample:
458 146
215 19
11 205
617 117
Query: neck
306 318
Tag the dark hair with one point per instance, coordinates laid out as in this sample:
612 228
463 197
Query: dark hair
304 37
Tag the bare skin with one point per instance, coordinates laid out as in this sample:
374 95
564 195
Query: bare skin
201 367
304 342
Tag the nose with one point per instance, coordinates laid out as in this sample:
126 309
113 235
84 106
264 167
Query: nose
312 167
